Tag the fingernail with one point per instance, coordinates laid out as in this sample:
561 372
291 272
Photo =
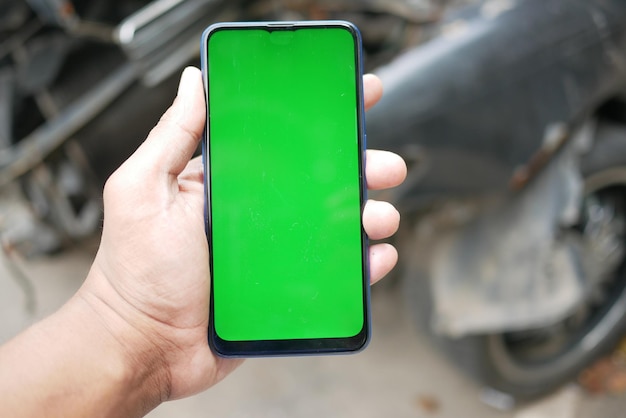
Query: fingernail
186 84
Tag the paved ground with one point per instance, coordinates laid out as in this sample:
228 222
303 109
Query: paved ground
399 375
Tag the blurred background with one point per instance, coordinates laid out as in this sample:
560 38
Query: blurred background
510 296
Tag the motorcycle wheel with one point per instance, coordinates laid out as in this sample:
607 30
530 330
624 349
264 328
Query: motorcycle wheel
530 363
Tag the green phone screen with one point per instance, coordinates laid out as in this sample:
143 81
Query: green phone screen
285 183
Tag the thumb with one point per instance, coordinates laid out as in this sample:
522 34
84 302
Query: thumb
172 142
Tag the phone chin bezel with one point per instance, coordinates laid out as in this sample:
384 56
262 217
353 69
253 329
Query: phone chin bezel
267 348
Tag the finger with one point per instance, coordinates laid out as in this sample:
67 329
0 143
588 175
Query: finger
384 169
194 171
380 219
372 90
383 258
173 141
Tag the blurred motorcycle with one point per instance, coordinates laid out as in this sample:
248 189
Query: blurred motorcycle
513 121
510 113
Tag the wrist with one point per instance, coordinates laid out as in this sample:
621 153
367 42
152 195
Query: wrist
141 371
80 361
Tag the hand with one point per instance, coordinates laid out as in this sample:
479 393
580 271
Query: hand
149 284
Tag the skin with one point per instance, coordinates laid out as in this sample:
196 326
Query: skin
135 334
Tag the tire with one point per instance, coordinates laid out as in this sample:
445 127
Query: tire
502 361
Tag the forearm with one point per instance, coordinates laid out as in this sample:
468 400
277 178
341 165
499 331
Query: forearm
71 365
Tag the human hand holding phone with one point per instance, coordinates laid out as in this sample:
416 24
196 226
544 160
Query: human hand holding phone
152 266
135 334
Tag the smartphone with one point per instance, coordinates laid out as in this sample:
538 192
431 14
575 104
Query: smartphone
285 188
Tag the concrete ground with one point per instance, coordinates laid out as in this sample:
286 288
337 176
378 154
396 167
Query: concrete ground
399 375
